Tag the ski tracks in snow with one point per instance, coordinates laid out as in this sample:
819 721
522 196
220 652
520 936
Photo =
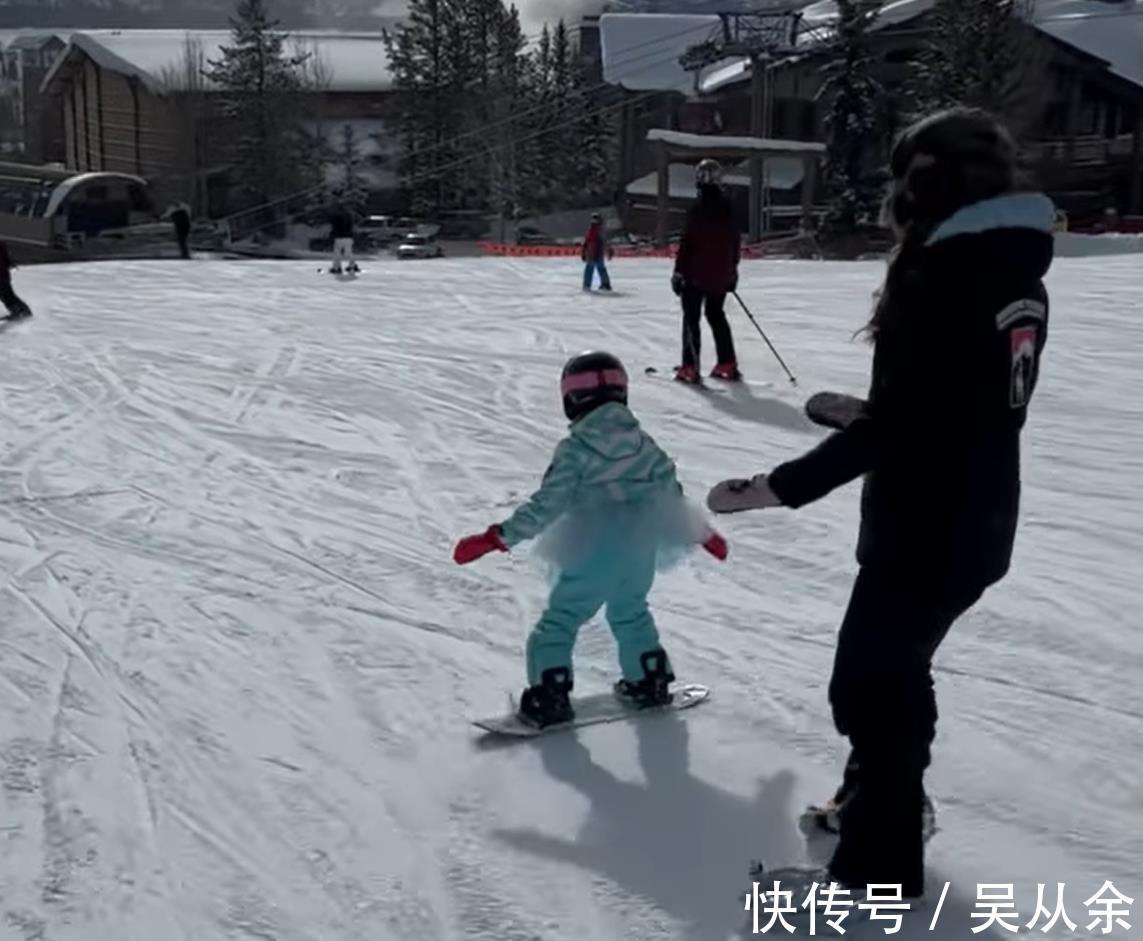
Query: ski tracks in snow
236 659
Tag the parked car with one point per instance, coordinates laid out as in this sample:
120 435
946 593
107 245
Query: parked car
380 230
418 246
530 235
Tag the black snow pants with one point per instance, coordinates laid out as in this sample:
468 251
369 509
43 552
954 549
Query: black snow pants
882 698
182 233
692 327
8 297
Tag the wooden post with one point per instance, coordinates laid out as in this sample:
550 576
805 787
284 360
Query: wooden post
1075 108
809 184
664 204
1135 190
757 98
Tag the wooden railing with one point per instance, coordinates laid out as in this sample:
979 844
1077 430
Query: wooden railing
1090 150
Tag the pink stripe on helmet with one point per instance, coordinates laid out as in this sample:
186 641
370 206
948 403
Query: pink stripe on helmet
581 382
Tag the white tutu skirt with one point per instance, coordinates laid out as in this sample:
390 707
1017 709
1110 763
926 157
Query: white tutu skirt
608 533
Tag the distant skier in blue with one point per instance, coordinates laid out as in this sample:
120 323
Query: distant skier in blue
595 249
615 513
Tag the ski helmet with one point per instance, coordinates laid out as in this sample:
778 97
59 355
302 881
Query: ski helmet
590 380
708 173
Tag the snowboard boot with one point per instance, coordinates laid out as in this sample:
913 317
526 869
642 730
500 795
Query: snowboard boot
726 371
827 818
548 703
687 374
353 269
654 688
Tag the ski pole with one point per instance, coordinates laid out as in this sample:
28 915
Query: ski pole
793 381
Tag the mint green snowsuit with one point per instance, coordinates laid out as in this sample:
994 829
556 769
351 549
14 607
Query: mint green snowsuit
617 504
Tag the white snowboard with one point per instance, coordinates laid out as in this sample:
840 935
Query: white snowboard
593 709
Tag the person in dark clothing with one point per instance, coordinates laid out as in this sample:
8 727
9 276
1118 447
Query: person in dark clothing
181 217
14 304
958 332
706 270
341 232
593 252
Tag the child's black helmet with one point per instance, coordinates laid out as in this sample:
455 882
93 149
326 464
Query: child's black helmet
590 380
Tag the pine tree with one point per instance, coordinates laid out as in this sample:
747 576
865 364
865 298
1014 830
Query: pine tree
259 84
978 54
461 66
350 187
418 60
510 84
853 140
570 157
595 142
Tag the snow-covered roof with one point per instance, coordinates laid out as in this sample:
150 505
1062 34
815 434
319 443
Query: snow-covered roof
1112 32
354 61
785 173
708 142
1109 31
32 41
641 51
68 186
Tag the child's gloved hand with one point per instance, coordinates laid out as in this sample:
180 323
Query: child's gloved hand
678 283
717 546
471 548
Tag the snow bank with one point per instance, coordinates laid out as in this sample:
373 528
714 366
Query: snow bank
1076 245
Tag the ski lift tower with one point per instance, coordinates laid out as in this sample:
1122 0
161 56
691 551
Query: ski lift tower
764 38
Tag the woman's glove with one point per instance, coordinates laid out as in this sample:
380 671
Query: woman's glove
734 496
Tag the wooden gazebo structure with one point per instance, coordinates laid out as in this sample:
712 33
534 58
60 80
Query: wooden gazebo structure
669 144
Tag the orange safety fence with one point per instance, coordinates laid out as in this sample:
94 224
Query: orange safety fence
573 251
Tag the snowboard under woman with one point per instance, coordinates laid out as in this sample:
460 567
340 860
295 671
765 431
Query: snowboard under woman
613 513
958 330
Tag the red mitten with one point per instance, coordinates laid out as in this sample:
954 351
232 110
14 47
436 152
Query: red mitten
471 548
717 546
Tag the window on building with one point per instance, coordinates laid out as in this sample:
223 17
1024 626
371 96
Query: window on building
901 56
138 198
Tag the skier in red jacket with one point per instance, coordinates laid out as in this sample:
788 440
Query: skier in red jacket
594 249
706 270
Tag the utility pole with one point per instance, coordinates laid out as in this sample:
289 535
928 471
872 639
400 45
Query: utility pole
758 79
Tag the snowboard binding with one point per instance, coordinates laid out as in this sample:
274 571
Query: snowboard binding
654 688
549 702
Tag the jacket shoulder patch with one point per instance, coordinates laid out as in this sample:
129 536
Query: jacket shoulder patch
1024 309
1022 378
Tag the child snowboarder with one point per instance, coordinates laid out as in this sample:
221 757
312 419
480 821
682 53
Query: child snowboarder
620 515
594 249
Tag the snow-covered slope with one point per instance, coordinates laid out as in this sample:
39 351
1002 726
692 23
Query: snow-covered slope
237 663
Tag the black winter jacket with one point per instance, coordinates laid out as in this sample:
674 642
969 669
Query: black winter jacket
954 368
711 246
340 224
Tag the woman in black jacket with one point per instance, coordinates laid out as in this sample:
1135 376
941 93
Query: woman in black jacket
957 330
